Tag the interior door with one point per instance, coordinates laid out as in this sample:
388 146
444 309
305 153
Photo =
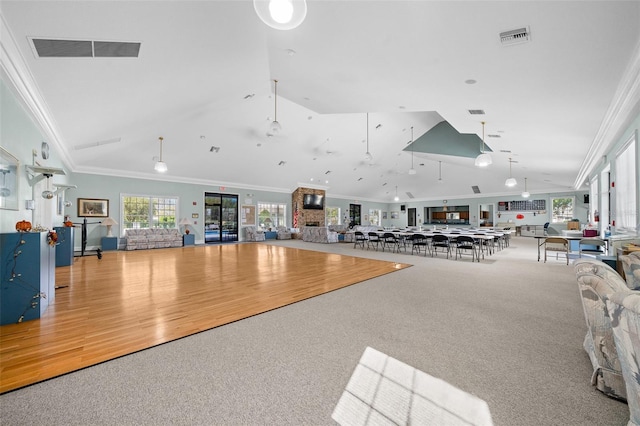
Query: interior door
355 213
412 217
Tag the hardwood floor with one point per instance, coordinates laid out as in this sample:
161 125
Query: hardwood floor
129 301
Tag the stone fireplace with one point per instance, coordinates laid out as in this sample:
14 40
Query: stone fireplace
307 217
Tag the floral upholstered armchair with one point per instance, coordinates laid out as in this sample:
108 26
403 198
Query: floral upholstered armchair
631 268
624 311
283 233
254 234
597 281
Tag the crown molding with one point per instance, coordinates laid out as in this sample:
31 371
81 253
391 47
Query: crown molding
623 109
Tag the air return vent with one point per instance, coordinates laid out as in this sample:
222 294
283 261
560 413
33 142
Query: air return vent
520 35
476 190
476 111
47 48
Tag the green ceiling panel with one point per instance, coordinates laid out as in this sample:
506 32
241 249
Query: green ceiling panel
443 139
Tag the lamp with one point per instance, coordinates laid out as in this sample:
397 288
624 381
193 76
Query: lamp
367 155
275 127
396 198
108 222
412 171
160 166
511 182
439 171
281 14
185 222
525 193
484 159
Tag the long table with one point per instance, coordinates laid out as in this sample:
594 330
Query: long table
480 236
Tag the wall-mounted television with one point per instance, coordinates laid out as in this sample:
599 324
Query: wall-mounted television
313 202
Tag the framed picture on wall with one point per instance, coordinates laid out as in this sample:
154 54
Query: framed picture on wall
93 207
395 215
384 215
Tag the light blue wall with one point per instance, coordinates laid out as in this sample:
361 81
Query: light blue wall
20 136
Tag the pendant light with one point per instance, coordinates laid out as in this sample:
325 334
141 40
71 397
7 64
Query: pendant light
160 166
396 198
439 171
511 182
275 127
525 193
412 171
281 14
484 159
47 193
367 155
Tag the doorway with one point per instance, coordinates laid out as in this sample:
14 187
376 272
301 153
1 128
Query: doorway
355 214
220 217
411 217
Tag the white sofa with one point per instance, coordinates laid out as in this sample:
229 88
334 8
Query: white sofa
150 238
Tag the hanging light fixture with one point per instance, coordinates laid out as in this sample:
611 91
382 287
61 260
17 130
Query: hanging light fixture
367 155
439 171
412 171
281 14
47 193
525 193
511 182
484 159
275 127
160 166
396 198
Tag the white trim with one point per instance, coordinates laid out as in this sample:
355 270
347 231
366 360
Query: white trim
621 111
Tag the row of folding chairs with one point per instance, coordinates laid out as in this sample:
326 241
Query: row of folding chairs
449 245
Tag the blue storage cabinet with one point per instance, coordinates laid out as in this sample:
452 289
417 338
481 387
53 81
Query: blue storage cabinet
188 239
109 243
64 248
28 269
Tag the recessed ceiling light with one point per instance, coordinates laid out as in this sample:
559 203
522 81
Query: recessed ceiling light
476 111
291 52
309 118
470 81
359 179
378 126
282 163
214 149
249 96
402 107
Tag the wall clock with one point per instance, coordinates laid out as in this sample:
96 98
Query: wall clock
45 150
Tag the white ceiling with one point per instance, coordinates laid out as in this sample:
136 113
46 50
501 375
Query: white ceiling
404 63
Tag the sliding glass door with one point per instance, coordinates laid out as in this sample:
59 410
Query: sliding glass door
220 217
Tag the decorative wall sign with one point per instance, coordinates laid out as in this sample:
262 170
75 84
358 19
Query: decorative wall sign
93 207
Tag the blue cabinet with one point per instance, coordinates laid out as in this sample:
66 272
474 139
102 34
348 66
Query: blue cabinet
109 243
64 247
270 235
28 272
188 240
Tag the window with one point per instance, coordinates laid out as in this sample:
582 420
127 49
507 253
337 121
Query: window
625 188
333 215
148 212
271 215
374 217
593 198
562 209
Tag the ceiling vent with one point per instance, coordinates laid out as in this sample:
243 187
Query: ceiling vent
476 190
47 48
476 111
410 195
520 35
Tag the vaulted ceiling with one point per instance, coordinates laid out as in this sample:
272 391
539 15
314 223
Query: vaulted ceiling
204 81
